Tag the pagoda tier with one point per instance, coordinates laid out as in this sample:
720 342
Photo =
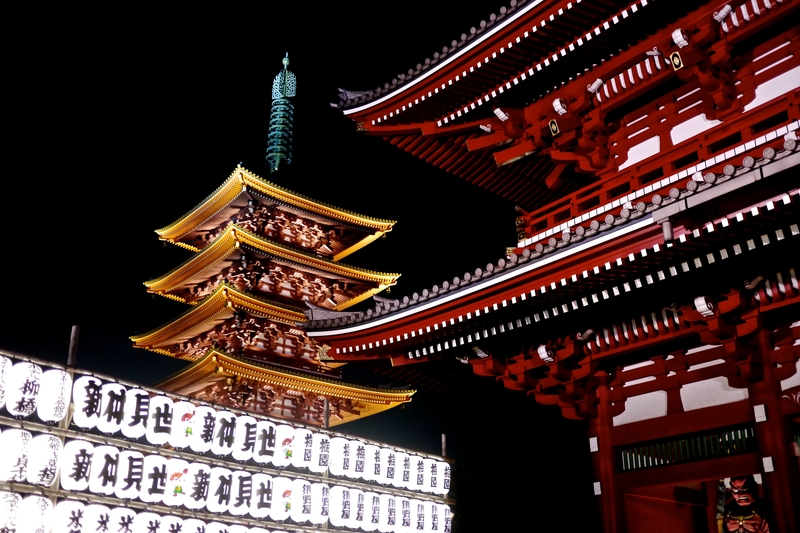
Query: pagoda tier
269 269
277 214
225 379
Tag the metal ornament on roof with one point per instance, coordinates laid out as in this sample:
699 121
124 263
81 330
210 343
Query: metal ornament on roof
281 118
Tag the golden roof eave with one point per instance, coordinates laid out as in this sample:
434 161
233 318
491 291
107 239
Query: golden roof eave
217 362
234 237
225 300
239 181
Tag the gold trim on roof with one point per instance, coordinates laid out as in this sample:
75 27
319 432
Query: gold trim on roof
219 305
239 181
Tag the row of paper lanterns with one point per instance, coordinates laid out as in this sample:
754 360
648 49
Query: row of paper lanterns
153 479
113 409
37 514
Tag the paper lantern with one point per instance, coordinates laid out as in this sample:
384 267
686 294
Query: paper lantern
224 430
257 530
14 445
121 520
22 387
418 518
358 449
388 466
245 438
241 493
88 400
372 511
54 394
193 525
103 474
203 422
219 490
170 524
43 459
136 412
300 501
181 433
303 447
216 527
236 528
320 453
76 465
266 442
445 518
432 518
339 460
357 508
5 369
320 503
285 446
261 499
281 498
147 523
388 516
160 418
431 479
34 514
178 482
402 474
130 474
97 519
417 473
405 518
9 507
372 462
68 517
340 506
112 407
198 483
154 480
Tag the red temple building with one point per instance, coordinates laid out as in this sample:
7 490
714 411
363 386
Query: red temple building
651 148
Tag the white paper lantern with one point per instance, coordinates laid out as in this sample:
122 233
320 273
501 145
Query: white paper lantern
372 511
154 480
388 466
357 506
261 499
281 498
237 528
22 387
431 478
5 368
358 449
54 394
171 524
130 474
219 490
121 520
388 518
405 520
216 527
76 465
303 448
103 475
112 409
14 444
402 473
44 455
159 420
34 514
245 438
193 525
444 472
372 462
417 473
257 530
136 413
320 453
9 509
300 501
266 442
68 517
178 482
147 523
285 446
340 506
339 462
198 484
224 432
241 493
88 399
320 503
418 517
203 422
97 519
181 433
445 518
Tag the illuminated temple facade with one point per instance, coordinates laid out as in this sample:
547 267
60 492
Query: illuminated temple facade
263 256
652 150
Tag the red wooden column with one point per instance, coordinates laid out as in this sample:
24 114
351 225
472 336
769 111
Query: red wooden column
603 460
782 486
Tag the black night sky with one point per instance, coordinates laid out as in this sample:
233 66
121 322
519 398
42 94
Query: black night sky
120 120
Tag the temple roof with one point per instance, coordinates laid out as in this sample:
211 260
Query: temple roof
217 363
230 245
242 186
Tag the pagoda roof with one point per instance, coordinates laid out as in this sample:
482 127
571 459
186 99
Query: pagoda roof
242 185
211 259
214 309
216 362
